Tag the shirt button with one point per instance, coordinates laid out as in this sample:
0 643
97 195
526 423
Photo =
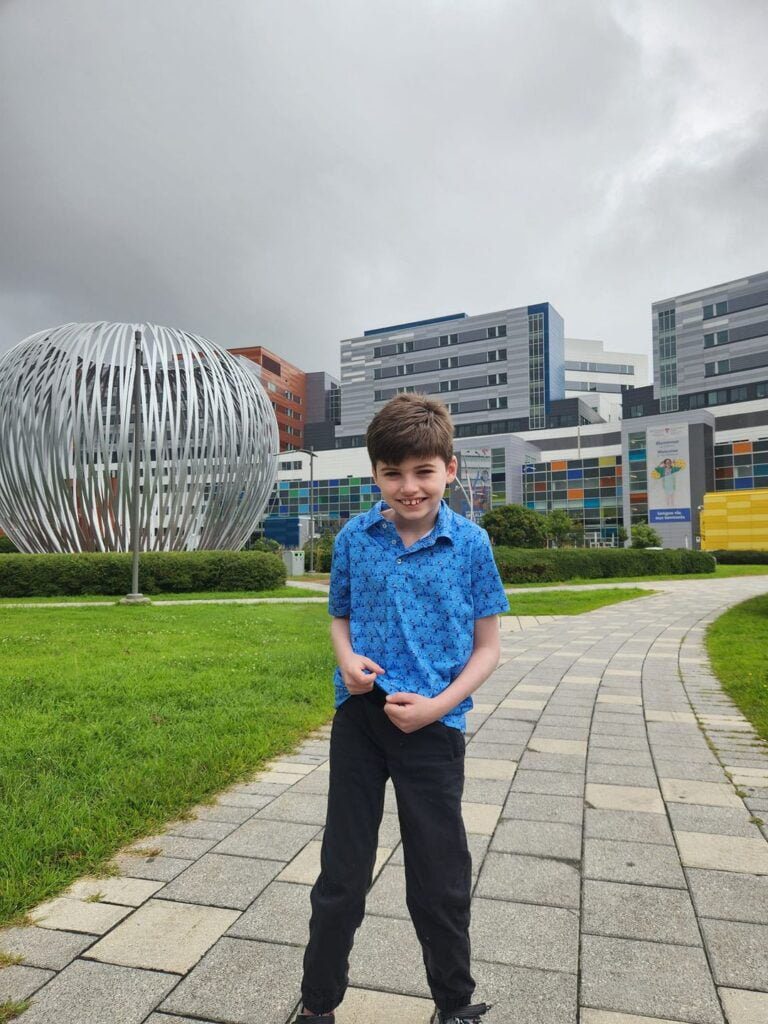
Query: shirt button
399 561
393 542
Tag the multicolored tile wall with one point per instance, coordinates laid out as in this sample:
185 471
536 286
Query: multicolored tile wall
589 490
741 465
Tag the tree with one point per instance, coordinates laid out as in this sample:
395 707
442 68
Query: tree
559 526
644 536
621 535
515 526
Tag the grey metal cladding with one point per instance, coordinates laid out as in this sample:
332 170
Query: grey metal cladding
748 301
208 440
748 331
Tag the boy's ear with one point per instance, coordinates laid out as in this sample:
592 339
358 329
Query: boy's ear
452 469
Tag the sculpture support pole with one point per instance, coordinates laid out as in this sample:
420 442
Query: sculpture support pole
135 597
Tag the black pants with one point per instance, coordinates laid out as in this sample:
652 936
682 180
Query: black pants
427 771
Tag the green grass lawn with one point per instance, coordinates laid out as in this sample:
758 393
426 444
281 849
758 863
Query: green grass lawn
737 643
201 596
571 602
115 720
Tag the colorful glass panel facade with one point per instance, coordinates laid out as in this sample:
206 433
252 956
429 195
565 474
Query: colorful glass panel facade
589 490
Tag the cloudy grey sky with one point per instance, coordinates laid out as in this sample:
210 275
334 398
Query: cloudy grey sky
292 172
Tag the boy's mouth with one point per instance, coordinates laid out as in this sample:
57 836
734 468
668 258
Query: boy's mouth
411 502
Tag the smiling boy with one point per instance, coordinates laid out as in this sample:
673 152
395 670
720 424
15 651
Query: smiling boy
415 597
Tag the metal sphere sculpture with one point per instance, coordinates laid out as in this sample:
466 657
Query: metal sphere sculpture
207 439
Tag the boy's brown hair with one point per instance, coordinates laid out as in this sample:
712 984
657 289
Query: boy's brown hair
410 426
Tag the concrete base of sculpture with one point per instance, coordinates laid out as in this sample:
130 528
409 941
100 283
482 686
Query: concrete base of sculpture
134 599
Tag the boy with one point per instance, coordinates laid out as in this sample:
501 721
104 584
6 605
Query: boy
415 596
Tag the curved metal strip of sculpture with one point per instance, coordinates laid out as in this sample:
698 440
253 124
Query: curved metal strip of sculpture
207 441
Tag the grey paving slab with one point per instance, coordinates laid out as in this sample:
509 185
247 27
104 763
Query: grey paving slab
158 869
543 807
218 812
500 751
18 982
99 994
525 935
386 897
636 758
304 808
486 791
44 947
203 829
523 879
526 996
743 1007
729 895
280 914
567 763
167 1018
627 826
650 979
240 981
639 912
555 783
173 846
220 881
726 821
738 953
539 838
602 742
695 772
621 775
268 840
387 956
641 863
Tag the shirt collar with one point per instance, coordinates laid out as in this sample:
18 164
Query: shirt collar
443 524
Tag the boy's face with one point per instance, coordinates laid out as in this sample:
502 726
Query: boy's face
413 488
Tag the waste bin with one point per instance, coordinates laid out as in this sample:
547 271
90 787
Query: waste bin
294 562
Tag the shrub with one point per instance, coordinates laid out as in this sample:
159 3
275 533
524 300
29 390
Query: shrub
517 565
264 544
515 526
7 547
160 572
644 536
741 557
323 553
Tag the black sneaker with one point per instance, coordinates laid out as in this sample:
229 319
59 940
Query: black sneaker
464 1015
325 1018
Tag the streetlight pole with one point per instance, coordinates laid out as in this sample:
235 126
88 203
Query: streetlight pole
135 597
312 456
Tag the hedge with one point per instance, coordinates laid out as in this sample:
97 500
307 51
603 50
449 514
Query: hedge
527 565
741 557
160 572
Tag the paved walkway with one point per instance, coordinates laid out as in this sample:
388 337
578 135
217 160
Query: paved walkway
614 801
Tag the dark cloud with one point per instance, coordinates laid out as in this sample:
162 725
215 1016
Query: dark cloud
290 173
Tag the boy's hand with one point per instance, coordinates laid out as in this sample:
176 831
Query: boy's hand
410 711
360 673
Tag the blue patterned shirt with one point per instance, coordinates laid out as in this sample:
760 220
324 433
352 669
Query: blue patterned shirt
413 610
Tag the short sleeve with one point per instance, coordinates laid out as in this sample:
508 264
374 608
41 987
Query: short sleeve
338 593
488 597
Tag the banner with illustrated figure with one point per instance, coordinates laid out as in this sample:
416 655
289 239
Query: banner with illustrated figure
669 481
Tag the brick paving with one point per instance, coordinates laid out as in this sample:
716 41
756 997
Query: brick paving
615 801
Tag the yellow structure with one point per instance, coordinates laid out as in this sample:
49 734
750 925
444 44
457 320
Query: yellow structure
735 520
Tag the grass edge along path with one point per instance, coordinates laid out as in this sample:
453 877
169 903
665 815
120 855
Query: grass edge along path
115 721
737 642
571 602
107 599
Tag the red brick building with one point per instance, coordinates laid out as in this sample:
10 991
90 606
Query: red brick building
286 386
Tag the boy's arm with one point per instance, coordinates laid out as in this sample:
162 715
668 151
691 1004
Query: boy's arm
410 711
358 672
